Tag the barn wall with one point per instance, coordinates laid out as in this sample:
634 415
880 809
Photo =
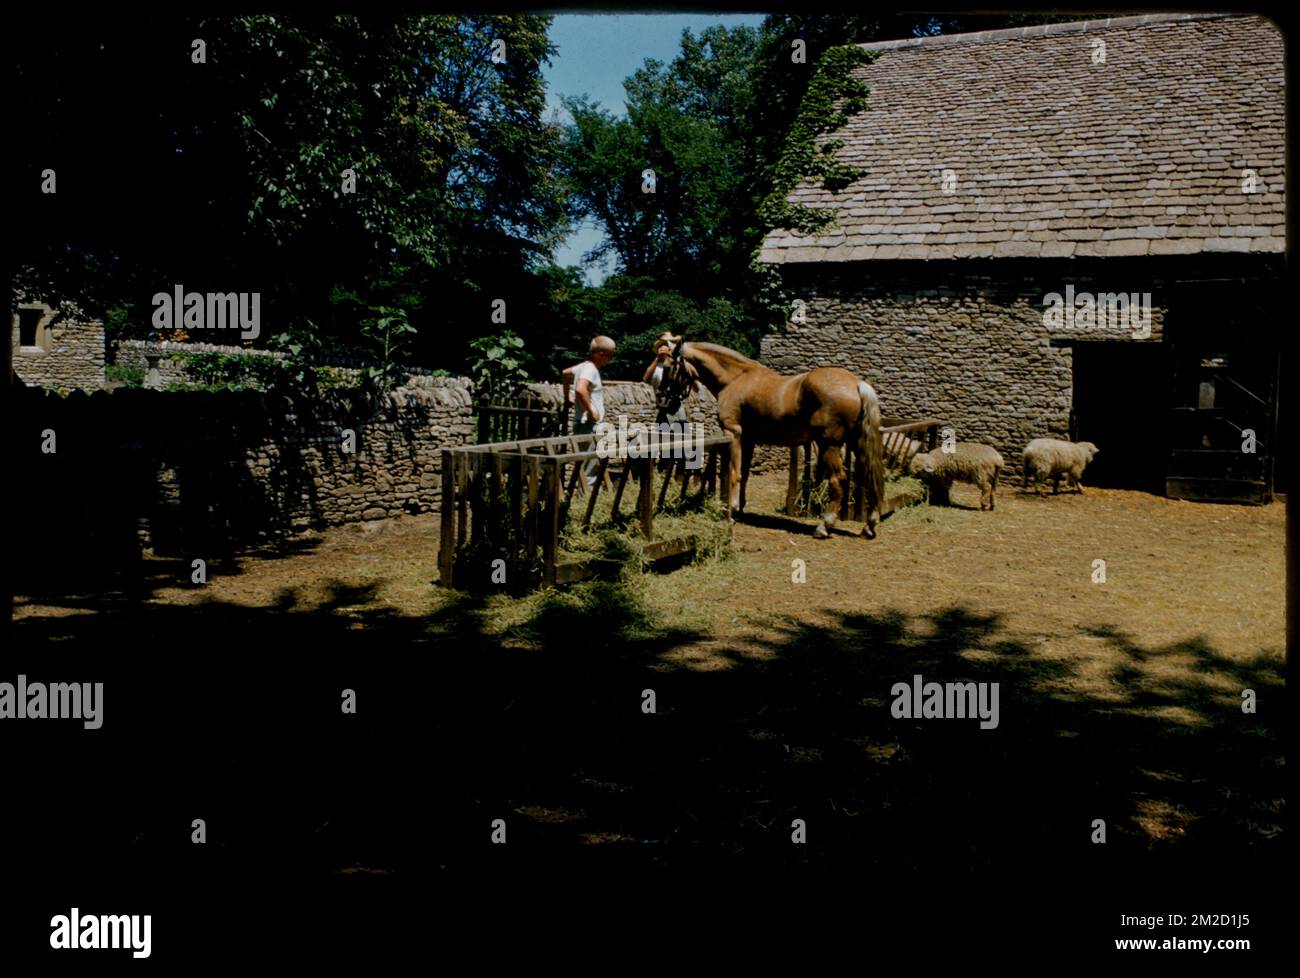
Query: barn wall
970 349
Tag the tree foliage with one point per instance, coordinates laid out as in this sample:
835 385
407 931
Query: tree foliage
229 174
729 126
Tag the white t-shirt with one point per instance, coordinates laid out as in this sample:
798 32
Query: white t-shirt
595 391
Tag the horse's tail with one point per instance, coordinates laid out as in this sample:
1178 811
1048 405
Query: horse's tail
871 463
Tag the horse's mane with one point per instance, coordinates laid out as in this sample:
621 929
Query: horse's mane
724 352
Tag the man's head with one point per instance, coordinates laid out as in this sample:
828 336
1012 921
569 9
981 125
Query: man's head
602 351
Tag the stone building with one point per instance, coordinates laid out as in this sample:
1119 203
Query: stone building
56 352
1072 230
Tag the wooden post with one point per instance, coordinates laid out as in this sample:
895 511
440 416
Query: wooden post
668 480
462 500
532 514
573 480
595 492
447 527
477 521
792 489
622 482
645 498
516 515
708 474
550 521
495 514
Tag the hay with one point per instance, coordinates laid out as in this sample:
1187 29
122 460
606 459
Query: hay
622 540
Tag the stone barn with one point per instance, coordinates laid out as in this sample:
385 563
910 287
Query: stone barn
1072 230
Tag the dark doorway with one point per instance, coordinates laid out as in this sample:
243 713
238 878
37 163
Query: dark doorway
1121 404
1223 338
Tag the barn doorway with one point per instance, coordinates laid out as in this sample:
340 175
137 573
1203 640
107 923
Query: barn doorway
1224 338
1121 404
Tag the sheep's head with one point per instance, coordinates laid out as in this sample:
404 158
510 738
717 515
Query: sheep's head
921 464
1090 448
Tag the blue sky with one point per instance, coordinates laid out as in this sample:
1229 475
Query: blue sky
596 52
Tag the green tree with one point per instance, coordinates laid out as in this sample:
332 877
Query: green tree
231 174
729 126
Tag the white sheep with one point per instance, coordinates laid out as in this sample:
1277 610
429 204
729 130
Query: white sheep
1051 458
967 462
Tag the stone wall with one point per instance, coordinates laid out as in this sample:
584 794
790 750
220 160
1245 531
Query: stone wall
637 401
67 354
186 471
165 364
964 344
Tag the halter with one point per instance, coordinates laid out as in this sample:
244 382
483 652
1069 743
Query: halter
679 374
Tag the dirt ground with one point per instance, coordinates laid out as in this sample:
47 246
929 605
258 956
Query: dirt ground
1119 699
1174 572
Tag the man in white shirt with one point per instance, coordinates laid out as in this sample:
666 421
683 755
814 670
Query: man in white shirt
589 396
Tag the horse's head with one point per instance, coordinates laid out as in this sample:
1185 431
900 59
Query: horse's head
679 373
666 342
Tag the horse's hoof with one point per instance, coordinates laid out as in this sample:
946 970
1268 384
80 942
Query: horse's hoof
868 533
820 533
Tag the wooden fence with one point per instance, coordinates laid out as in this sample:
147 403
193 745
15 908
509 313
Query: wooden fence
508 500
525 418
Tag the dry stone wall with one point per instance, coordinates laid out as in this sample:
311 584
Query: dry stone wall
219 471
637 401
165 363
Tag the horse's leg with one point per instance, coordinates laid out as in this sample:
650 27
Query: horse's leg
736 449
746 457
833 462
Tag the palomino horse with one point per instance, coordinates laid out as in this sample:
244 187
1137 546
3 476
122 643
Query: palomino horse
757 406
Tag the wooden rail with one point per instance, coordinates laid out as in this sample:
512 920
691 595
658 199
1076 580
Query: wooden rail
530 417
508 501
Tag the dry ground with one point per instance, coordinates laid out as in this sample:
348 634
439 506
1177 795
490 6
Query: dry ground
1174 571
1120 700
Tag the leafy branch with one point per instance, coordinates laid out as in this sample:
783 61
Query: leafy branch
803 158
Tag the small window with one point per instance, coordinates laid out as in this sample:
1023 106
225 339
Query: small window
29 321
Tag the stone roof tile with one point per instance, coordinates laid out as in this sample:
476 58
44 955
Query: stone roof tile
1057 155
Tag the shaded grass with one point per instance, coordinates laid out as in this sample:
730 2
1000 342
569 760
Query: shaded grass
640 605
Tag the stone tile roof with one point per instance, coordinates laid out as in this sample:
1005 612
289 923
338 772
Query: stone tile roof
1055 155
